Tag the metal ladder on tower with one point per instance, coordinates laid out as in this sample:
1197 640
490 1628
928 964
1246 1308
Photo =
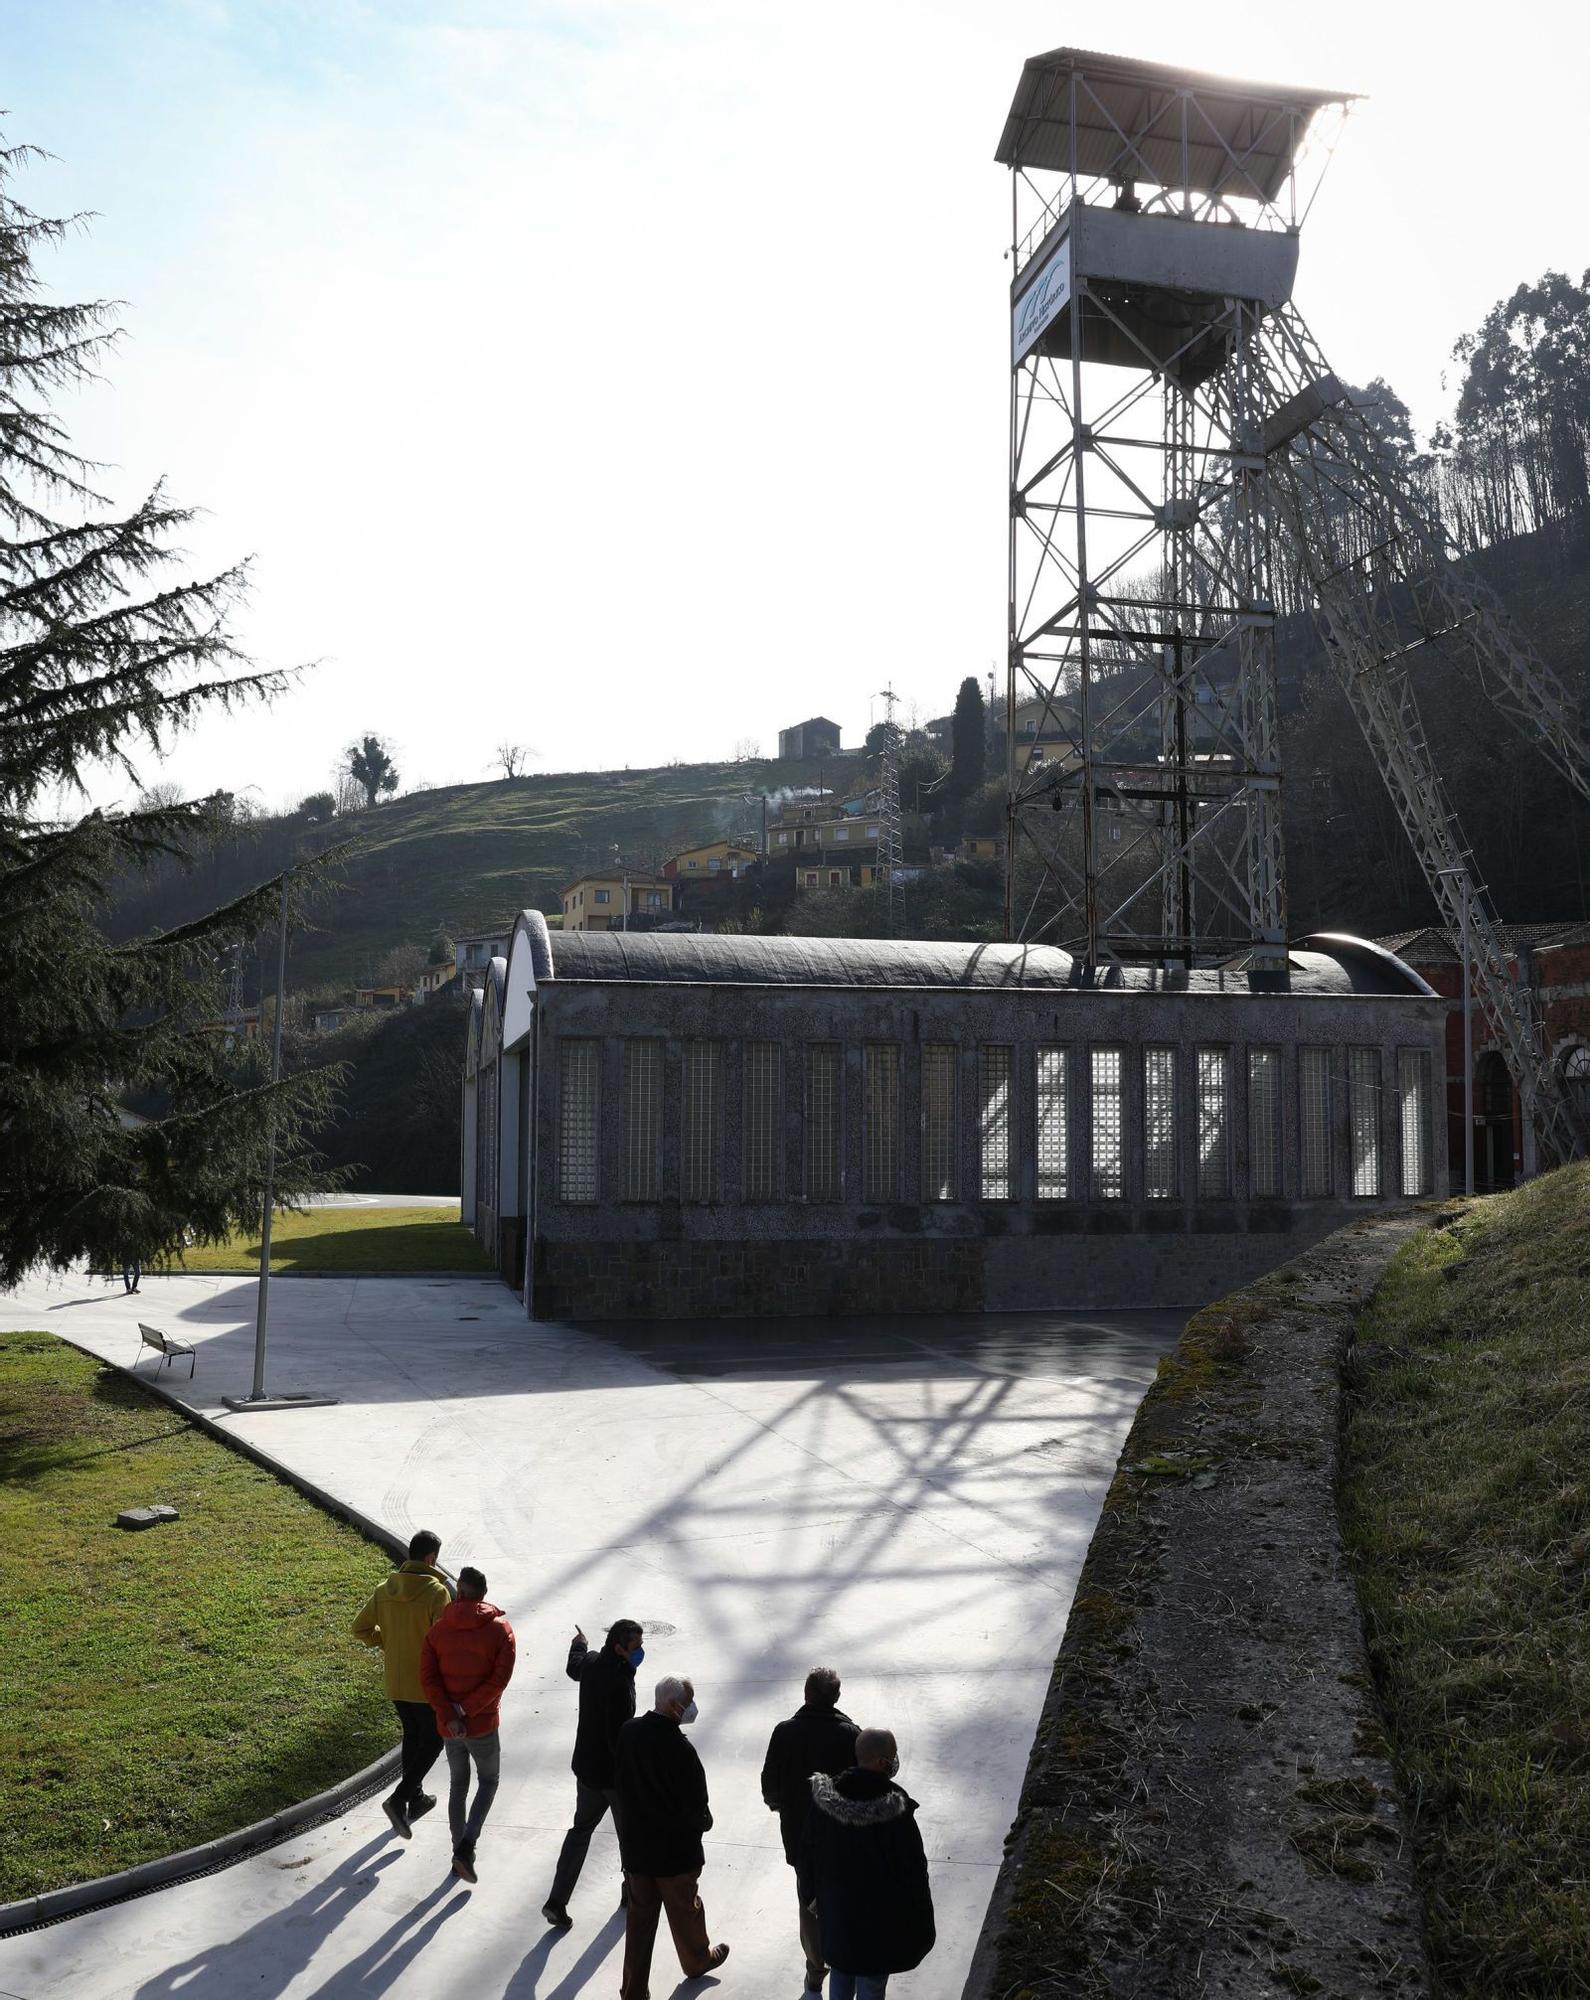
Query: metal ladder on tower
1388 582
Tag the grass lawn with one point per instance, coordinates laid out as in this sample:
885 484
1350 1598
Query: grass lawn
163 1687
351 1239
1466 1504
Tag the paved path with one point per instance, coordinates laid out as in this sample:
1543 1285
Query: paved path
907 1500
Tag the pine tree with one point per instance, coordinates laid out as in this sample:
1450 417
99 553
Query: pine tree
104 655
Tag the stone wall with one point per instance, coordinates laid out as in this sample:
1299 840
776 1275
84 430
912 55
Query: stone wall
1209 1806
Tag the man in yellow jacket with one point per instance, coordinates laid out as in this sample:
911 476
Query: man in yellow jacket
399 1614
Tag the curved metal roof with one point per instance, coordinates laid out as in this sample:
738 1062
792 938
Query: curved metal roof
1328 966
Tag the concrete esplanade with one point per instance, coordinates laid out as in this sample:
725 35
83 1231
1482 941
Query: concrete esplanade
907 1501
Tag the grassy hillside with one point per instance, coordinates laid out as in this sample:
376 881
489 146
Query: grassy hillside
1467 1510
465 857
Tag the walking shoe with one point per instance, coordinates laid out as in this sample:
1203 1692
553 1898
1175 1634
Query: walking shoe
557 1916
716 1956
421 1806
464 1864
399 1819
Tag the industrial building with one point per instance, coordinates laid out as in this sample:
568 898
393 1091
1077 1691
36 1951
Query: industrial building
663 1126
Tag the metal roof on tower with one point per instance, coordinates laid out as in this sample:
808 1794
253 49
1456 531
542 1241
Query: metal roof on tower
1130 125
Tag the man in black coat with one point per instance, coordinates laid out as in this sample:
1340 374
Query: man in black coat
861 1862
607 1701
819 1736
662 1793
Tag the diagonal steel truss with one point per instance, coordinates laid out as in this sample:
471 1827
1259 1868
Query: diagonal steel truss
1389 583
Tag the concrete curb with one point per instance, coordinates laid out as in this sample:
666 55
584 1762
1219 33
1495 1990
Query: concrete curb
76 1897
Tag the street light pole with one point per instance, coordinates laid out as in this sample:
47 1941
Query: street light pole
261 1310
257 1399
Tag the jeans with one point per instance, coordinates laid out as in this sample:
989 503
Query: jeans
649 1895
485 1753
856 1985
422 1745
590 1803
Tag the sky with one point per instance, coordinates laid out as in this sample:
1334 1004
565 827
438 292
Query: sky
629 381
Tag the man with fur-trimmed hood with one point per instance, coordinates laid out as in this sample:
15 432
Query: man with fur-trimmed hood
861 1860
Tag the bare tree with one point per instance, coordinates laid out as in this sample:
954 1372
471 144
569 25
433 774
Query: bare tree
160 798
402 965
513 757
747 750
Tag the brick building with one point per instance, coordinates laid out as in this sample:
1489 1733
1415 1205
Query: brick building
1554 960
662 1126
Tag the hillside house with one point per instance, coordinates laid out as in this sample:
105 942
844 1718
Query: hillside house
815 737
620 899
473 955
714 858
833 844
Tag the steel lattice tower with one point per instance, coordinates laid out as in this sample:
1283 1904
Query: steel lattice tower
1153 228
1171 418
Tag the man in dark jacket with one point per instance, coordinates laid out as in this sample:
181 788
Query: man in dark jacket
861 1862
662 1792
607 1701
819 1736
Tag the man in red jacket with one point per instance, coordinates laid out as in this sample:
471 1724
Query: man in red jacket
465 1663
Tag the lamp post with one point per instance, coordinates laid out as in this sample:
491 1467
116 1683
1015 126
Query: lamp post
1462 875
257 1399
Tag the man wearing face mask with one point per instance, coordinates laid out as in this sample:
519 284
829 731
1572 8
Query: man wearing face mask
861 1861
662 1793
607 1701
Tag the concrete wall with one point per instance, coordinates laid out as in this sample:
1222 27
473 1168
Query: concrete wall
672 1258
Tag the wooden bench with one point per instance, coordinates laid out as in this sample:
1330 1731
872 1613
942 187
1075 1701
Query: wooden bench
167 1346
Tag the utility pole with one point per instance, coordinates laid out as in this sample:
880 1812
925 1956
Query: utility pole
889 816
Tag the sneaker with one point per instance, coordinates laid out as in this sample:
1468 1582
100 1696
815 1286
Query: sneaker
464 1864
557 1916
716 1956
421 1806
399 1819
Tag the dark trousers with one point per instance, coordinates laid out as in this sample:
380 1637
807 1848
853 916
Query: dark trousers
648 1895
422 1745
590 1803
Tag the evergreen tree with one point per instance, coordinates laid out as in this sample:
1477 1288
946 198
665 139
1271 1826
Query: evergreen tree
101 655
968 738
370 765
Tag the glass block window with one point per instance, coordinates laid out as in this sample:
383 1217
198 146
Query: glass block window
1214 1123
822 1151
490 1150
880 1122
701 1176
579 1074
938 1121
1161 1177
1314 1105
1413 1116
1106 1128
1363 1118
1264 1123
764 1121
1053 1154
643 1098
993 1123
